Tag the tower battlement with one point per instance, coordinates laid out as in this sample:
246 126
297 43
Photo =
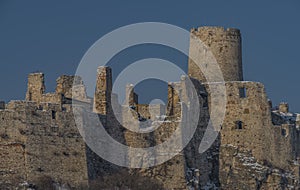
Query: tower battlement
216 30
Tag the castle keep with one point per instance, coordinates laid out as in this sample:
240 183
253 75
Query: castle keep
258 146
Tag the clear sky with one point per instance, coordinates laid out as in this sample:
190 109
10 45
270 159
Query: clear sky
52 36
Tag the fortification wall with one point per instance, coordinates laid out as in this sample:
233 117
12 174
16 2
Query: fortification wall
172 173
247 117
189 167
12 160
43 141
241 170
248 125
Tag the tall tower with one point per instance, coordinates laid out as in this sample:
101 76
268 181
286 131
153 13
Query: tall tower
225 45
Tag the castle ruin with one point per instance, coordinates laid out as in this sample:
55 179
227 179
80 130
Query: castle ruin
258 146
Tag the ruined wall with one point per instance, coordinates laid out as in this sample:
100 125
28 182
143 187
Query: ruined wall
42 136
173 106
64 89
71 87
44 141
103 90
225 45
65 83
12 160
248 125
172 173
131 98
241 170
38 137
151 111
247 118
36 90
55 146
35 87
189 168
145 111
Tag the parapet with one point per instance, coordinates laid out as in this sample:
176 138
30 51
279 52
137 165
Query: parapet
217 30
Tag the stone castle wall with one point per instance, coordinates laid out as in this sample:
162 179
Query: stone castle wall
39 137
41 140
248 125
43 137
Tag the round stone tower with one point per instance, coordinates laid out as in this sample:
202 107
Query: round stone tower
225 45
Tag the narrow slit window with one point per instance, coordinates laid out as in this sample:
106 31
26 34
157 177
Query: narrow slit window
53 114
30 96
239 125
243 92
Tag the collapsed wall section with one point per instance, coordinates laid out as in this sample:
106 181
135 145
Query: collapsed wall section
68 88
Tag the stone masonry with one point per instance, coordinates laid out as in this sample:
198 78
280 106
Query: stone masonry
258 146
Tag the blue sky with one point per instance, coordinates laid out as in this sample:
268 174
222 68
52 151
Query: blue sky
52 37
